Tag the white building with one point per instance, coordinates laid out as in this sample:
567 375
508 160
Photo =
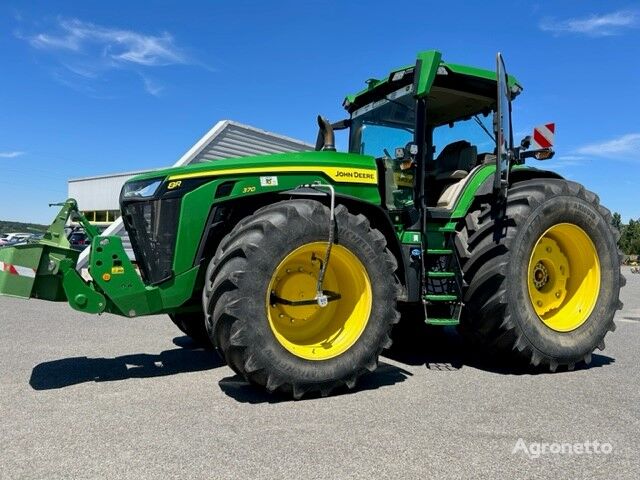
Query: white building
98 196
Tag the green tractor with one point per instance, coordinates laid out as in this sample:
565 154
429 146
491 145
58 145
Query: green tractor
294 266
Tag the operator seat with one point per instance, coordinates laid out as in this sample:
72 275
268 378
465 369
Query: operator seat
455 160
452 168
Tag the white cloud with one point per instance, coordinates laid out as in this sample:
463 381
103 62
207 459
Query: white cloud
152 87
594 25
568 161
624 147
121 46
86 53
10 154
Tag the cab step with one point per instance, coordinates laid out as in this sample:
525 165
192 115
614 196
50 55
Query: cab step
441 274
442 321
439 251
446 229
441 298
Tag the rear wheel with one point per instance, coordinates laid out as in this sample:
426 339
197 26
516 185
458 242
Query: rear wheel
544 279
272 259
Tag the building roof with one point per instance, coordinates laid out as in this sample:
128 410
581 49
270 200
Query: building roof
227 139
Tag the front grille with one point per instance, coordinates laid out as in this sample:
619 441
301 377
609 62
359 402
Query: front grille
152 228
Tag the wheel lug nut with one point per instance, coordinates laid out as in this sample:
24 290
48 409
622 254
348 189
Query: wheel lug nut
548 249
539 303
558 293
281 315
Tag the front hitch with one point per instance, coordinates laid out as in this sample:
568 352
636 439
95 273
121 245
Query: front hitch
45 269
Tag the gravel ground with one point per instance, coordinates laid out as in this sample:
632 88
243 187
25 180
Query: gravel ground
106 397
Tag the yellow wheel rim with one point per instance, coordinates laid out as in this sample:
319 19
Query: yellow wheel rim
564 277
310 331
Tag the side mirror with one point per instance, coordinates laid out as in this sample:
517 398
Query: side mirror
504 135
526 142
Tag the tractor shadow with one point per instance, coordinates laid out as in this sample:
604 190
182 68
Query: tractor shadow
240 390
66 372
443 349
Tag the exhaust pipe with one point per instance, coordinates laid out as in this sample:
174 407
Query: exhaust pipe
326 138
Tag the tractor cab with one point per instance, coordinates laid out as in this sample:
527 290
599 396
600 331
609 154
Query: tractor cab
431 123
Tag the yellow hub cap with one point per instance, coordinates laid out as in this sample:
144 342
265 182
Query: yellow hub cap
564 277
310 331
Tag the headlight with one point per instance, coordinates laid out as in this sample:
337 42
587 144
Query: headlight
142 188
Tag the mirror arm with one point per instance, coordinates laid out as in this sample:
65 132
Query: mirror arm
539 154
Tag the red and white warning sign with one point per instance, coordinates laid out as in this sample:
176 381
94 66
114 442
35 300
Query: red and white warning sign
543 136
17 270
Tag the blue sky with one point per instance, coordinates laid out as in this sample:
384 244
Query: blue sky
96 87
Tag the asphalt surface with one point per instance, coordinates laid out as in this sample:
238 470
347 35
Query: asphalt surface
106 397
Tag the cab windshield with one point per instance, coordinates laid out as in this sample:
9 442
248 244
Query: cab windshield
379 128
473 130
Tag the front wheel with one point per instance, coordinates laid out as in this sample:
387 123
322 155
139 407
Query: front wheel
193 325
543 274
260 290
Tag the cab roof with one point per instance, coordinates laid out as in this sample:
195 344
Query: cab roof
435 76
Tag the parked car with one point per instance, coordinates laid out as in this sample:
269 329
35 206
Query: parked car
79 240
13 238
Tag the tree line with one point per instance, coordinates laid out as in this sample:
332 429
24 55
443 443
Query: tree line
7 226
629 241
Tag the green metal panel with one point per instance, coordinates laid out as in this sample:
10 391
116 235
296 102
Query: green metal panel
81 295
178 290
465 200
410 237
193 216
427 66
127 295
480 73
333 163
197 204
435 239
18 266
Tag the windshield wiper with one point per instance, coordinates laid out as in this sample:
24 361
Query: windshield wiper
486 130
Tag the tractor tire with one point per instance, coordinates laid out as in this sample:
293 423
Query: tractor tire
193 325
276 254
543 280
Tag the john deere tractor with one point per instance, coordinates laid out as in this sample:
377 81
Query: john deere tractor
294 266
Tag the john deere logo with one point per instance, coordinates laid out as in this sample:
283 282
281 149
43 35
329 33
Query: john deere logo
352 174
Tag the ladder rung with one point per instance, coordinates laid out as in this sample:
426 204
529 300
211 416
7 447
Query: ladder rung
443 229
442 321
441 298
441 274
439 251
